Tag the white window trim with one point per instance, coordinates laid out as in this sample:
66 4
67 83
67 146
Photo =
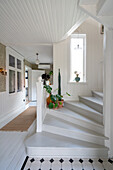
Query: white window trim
84 59
10 51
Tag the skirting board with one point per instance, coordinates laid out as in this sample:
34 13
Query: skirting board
11 115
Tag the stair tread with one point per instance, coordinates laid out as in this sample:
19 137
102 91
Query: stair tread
76 115
98 93
49 140
83 106
93 99
56 122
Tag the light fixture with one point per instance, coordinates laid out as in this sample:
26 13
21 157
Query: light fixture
37 60
3 71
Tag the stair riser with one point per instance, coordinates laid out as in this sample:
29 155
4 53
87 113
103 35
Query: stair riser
88 114
79 122
91 104
67 152
97 96
72 134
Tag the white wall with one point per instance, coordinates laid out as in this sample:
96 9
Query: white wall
94 61
108 88
11 104
35 75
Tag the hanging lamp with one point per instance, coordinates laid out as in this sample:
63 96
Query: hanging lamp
37 60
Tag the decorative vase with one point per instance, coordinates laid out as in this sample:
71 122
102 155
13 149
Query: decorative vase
77 79
59 83
48 100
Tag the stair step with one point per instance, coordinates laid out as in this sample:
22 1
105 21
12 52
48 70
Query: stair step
75 118
98 95
92 102
45 144
84 110
64 128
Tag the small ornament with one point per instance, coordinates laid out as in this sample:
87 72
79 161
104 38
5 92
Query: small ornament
77 78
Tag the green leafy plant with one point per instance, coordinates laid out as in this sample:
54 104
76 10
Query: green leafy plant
56 105
60 103
53 98
59 97
50 105
51 73
68 94
56 100
48 88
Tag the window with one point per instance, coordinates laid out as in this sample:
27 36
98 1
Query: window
15 74
11 81
78 57
18 64
11 61
19 83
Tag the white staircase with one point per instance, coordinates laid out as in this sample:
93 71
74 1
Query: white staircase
75 130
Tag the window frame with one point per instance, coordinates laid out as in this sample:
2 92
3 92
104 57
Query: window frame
16 70
84 58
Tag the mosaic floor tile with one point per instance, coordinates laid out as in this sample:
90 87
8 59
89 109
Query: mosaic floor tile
68 164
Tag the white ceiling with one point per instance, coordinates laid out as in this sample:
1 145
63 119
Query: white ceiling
101 10
45 52
32 26
107 8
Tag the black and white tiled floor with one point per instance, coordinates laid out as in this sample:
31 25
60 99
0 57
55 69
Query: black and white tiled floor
67 164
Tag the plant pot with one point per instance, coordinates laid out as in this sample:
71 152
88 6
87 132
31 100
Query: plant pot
60 103
55 106
48 100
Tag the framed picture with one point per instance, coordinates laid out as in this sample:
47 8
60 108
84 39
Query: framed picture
102 29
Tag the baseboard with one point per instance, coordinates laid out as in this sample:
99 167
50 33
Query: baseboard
11 115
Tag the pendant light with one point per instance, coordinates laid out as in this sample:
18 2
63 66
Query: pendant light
37 60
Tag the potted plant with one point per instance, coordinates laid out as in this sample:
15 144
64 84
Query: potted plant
54 100
48 90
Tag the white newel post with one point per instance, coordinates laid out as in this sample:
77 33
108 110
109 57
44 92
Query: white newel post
108 88
39 122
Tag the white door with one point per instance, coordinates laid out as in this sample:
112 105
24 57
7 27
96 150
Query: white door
35 75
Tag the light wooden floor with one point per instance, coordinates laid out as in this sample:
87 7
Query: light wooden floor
21 122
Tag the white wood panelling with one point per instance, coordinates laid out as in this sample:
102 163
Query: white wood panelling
11 104
37 22
94 62
35 75
108 88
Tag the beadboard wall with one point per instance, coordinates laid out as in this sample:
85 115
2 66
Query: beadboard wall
2 65
11 105
94 62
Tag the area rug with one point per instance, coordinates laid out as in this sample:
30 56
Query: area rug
21 122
